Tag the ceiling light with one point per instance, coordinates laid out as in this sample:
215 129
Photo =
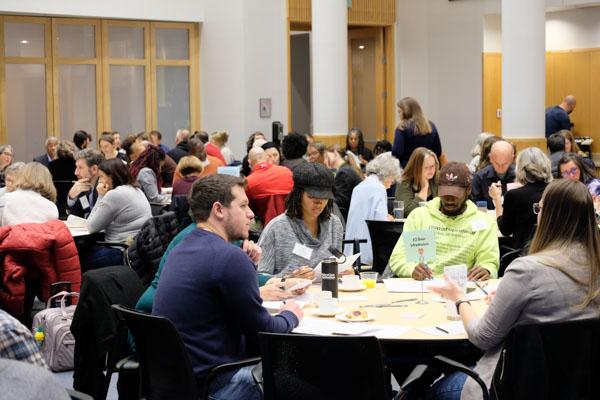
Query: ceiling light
24 41
361 47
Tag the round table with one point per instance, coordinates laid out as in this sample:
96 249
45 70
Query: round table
433 314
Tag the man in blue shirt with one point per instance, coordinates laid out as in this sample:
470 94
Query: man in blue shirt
557 117
208 288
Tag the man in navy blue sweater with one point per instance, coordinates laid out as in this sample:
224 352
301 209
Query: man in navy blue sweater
557 117
208 287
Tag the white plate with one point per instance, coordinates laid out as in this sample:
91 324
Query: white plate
342 317
351 288
320 313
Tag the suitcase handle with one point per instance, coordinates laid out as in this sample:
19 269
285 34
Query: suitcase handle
63 295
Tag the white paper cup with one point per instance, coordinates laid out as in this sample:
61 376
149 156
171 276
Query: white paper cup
351 281
328 305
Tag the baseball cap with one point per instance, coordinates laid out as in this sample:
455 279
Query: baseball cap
315 179
455 178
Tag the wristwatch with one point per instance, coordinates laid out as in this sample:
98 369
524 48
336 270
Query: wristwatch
458 303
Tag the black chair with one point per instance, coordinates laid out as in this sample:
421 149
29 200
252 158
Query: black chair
538 361
322 367
166 370
158 208
506 259
355 249
62 192
384 236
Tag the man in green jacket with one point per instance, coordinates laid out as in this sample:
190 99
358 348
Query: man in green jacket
463 235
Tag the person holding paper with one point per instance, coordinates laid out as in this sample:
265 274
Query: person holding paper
303 235
463 234
557 281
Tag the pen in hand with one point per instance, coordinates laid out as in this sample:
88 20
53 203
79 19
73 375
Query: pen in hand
480 287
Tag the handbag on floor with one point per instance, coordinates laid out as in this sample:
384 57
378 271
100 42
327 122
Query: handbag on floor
58 344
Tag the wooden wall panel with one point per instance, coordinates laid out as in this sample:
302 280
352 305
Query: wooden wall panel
575 72
492 92
329 140
594 98
362 12
523 143
571 75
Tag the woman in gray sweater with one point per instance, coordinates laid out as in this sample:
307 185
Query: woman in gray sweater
558 281
120 211
295 242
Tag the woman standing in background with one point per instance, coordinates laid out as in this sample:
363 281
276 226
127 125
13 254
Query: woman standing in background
414 130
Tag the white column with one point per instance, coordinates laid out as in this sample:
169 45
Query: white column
329 67
523 68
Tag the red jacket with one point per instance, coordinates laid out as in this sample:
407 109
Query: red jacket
268 186
45 253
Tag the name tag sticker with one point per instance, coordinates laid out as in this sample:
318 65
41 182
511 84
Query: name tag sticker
84 202
478 225
302 251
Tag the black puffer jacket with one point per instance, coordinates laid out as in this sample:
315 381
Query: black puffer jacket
150 244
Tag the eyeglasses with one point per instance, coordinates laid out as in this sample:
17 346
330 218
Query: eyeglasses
7 153
571 172
537 208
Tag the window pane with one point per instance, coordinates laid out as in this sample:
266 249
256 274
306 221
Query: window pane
26 109
77 94
76 41
173 97
23 39
127 106
126 42
172 44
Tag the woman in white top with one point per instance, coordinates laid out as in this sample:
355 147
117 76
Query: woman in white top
120 211
33 199
369 202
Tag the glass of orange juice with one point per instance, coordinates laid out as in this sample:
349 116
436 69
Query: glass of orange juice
369 279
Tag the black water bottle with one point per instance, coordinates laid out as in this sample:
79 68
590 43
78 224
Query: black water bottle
329 276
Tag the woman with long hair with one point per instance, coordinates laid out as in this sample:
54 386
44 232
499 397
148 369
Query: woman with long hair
515 214
571 166
295 242
419 179
120 212
558 281
347 175
477 149
355 144
146 169
414 130
486 147
33 198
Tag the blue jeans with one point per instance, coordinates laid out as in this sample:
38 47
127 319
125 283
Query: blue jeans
99 257
240 387
448 388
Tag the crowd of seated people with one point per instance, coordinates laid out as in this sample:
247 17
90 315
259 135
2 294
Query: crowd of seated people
309 197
